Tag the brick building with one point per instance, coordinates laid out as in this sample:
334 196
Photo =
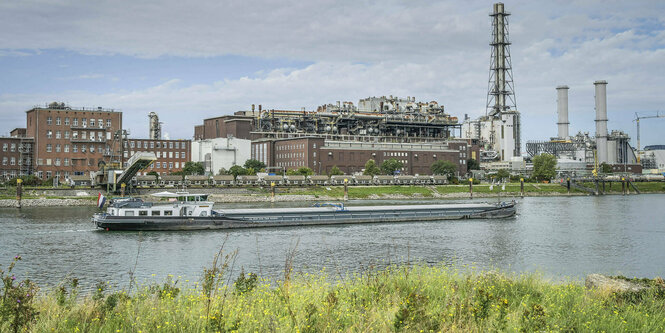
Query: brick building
16 154
237 126
171 154
71 141
322 155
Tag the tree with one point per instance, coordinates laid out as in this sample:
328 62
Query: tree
605 168
390 166
223 171
544 167
193 168
303 171
472 164
254 164
335 171
445 168
502 174
237 170
371 169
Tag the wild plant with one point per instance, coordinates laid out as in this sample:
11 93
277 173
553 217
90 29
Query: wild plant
16 300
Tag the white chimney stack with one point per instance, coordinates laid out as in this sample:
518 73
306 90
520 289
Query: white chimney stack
601 120
562 111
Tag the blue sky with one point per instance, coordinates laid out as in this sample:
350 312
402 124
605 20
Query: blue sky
190 62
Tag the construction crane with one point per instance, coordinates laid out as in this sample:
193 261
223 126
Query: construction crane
637 120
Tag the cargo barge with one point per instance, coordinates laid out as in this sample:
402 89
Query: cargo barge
185 211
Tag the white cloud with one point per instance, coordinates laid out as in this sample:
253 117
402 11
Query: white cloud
433 50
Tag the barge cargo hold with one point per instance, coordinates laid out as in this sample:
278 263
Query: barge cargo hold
197 214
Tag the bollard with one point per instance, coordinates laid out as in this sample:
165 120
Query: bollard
568 185
522 187
19 191
470 188
122 189
272 191
346 189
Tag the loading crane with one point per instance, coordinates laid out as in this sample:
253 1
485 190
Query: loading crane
637 121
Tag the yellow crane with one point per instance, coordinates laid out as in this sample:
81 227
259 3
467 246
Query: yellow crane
637 120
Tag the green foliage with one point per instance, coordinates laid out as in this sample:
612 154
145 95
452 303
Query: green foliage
245 283
502 174
193 168
472 164
335 171
254 164
302 171
237 170
445 168
223 171
544 167
390 166
29 180
16 300
371 169
605 168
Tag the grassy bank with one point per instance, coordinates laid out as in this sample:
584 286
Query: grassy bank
417 299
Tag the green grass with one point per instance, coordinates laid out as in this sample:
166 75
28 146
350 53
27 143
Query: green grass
397 299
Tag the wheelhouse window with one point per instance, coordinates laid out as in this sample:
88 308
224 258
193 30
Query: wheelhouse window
143 213
168 213
129 213
156 213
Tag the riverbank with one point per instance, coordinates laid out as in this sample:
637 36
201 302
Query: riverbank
408 299
332 193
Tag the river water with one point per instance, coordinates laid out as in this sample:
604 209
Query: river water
561 237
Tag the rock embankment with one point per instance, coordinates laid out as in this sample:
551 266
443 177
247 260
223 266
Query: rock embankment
44 202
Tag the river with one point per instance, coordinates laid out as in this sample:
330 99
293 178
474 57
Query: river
561 237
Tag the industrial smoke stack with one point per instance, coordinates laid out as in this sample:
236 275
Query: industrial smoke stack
562 111
155 127
601 120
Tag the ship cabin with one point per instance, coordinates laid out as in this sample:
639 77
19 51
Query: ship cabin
179 204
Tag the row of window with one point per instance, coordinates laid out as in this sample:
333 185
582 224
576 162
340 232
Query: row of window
158 144
287 164
292 147
160 154
164 165
292 155
75 148
395 154
12 161
75 135
64 162
5 146
75 122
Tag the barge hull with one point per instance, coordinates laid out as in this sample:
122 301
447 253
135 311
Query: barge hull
265 218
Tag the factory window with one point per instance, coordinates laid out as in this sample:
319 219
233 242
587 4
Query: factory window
40 161
108 135
159 144
66 134
502 131
108 122
101 123
83 135
76 122
75 135
145 144
92 122
66 163
152 144
84 122
57 121
170 165
100 136
13 147
49 121
170 145
83 148
131 144
170 154
49 134
177 165
57 148
4 160
66 148
48 162
92 148
177 154
314 145
75 148
159 154
49 148
159 165
66 120
4 147
92 136
57 162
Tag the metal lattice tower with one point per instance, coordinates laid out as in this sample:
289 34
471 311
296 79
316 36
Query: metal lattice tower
500 90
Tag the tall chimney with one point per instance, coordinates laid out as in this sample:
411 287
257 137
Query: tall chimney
562 111
601 120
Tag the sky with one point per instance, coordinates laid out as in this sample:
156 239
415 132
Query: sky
189 61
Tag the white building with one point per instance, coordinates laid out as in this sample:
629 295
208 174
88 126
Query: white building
221 153
499 133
